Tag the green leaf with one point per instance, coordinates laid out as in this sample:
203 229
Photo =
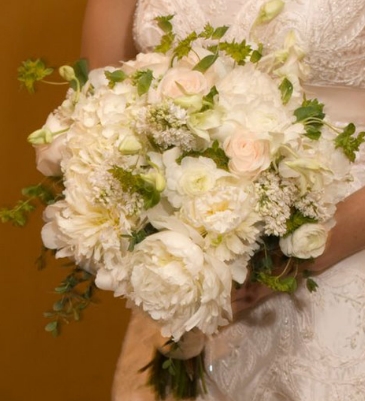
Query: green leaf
219 32
237 51
164 23
286 89
81 69
311 115
31 71
208 100
311 285
208 31
184 46
348 142
281 284
114 77
215 152
165 44
205 63
144 81
52 326
296 220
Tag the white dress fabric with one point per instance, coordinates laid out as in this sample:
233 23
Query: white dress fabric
305 347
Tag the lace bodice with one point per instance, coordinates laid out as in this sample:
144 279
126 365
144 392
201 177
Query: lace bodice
332 32
310 347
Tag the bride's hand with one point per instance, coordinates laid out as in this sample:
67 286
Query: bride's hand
248 295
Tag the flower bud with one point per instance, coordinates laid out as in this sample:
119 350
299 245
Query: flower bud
130 146
269 11
67 73
156 179
40 136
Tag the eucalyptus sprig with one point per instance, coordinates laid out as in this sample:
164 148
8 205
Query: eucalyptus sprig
76 293
44 193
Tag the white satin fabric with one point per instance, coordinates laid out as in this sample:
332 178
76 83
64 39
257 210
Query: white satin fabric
306 347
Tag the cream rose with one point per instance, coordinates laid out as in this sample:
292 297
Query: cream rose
248 155
49 156
180 82
156 62
308 241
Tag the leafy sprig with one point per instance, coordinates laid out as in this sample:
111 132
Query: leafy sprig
348 142
19 214
76 293
215 152
311 115
32 71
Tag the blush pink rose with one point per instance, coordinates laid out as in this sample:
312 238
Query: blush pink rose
248 155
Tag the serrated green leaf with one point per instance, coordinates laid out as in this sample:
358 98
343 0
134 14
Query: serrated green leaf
31 71
311 115
281 284
165 44
164 23
348 142
184 46
239 52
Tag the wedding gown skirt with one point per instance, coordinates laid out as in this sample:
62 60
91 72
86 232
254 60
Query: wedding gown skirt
308 346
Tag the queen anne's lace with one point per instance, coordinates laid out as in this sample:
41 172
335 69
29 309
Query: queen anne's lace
300 348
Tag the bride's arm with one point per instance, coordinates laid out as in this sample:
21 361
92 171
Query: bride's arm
107 32
345 239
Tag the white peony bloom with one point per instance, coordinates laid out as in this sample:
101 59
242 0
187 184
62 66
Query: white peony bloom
308 241
177 284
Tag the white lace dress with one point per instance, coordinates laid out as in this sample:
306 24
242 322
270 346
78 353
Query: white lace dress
306 347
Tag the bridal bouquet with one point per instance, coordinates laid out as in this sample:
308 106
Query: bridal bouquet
187 169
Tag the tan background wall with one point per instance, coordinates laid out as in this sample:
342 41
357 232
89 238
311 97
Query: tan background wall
34 366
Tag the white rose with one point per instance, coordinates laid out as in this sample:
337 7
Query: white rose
181 82
308 241
192 178
156 62
49 156
248 155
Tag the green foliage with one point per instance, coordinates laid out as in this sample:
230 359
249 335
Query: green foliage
143 80
311 115
184 46
310 283
168 38
215 152
208 100
114 77
76 292
140 235
81 69
134 183
31 71
256 55
283 284
286 89
183 378
239 52
348 142
205 63
296 220
19 214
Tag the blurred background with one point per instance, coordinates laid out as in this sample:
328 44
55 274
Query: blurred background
78 365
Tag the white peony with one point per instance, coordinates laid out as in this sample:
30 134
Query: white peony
177 284
308 241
